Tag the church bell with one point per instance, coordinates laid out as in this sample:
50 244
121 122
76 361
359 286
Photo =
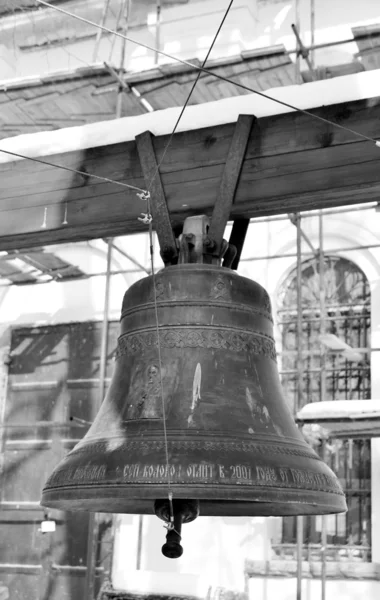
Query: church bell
195 406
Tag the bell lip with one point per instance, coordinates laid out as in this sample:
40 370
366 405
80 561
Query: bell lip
130 499
197 267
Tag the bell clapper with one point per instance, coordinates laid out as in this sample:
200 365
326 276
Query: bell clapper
184 511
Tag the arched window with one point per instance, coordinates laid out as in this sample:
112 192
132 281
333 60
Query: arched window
344 376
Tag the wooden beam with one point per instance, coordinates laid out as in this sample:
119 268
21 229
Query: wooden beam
237 239
229 181
159 206
292 163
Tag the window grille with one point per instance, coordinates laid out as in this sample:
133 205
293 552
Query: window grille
347 316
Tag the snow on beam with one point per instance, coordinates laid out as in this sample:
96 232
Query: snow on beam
293 162
359 86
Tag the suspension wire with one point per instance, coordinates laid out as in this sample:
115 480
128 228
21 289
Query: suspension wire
212 74
189 96
83 173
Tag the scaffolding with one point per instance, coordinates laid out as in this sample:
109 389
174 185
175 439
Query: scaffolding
299 255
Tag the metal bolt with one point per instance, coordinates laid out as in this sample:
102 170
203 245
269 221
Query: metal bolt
209 243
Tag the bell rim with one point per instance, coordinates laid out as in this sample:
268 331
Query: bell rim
252 502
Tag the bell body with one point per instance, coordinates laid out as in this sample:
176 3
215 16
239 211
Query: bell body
229 440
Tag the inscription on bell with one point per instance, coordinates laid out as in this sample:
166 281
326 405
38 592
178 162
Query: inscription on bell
203 471
315 479
266 474
221 473
216 473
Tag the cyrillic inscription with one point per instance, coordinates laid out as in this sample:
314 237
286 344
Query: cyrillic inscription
266 474
203 471
261 475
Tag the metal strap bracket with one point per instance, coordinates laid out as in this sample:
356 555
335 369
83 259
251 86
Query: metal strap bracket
229 182
160 213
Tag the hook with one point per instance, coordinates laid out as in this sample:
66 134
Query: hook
65 222
145 218
144 196
43 226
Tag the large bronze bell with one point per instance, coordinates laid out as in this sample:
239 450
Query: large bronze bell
232 447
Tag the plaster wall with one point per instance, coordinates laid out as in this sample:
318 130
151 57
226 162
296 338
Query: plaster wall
186 31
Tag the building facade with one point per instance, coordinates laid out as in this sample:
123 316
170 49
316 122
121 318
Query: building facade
240 556
54 327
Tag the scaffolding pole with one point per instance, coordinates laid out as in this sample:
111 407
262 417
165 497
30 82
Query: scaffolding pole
100 31
322 330
120 92
312 214
158 31
308 254
297 20
312 33
299 387
93 523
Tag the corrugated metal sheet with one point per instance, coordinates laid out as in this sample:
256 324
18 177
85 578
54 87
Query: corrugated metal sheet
28 267
88 95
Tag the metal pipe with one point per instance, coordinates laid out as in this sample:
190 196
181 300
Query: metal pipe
74 568
323 543
299 313
158 31
325 45
126 86
322 330
120 92
304 52
294 254
302 234
299 388
99 32
312 33
139 542
118 19
312 214
78 278
93 525
133 260
297 24
3 399
294 371
50 424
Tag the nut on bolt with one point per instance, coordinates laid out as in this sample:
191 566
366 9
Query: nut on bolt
209 243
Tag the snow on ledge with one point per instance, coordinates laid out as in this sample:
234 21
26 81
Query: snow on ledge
339 409
359 86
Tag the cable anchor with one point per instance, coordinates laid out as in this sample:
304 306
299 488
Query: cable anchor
145 218
144 195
